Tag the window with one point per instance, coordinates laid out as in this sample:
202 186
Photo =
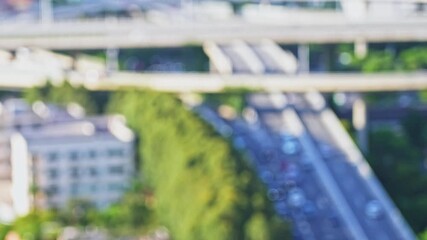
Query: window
116 170
114 187
92 154
74 155
53 173
93 188
74 189
116 152
74 172
53 156
52 190
93 172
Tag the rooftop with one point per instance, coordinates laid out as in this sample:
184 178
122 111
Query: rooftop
41 121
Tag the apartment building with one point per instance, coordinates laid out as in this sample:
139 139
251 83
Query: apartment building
60 155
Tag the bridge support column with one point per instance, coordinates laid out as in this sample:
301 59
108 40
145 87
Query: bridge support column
46 14
360 124
360 48
112 60
304 58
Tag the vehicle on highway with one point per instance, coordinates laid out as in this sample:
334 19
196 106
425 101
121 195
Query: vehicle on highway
296 197
267 176
250 115
289 177
309 209
275 194
282 208
306 164
239 142
373 209
268 155
290 144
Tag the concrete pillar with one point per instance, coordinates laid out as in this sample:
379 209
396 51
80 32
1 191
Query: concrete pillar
304 58
360 48
112 60
46 12
360 124
355 10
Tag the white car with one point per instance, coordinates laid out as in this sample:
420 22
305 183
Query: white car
373 209
296 198
290 144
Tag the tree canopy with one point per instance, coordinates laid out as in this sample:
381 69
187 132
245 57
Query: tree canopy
203 189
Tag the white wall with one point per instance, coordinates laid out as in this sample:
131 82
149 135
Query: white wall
21 175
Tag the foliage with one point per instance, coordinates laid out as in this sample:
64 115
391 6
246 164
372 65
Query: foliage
4 229
133 215
203 189
378 62
37 226
423 236
200 188
65 94
234 98
410 59
414 58
78 212
416 129
398 165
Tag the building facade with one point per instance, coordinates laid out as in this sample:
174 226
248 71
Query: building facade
62 155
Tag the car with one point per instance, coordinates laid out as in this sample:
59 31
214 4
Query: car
306 164
268 155
281 207
239 142
275 194
267 176
309 209
373 209
296 198
292 171
289 177
250 115
290 144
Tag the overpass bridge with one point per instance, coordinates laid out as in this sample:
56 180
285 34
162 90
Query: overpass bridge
294 128
113 33
200 82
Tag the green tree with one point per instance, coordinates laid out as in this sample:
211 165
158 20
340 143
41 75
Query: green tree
203 188
4 229
78 212
32 226
416 129
133 214
423 236
398 166
414 58
62 95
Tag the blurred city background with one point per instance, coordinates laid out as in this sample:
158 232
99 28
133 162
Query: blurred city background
203 119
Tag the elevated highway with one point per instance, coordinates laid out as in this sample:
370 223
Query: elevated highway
138 33
200 82
340 167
